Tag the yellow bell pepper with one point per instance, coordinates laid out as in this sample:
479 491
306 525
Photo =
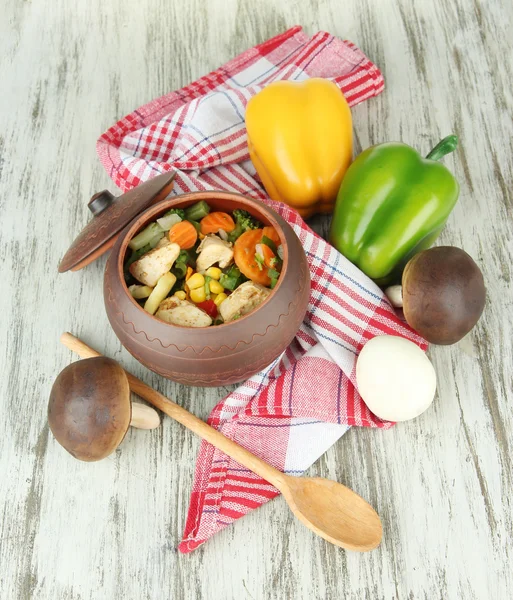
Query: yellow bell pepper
300 141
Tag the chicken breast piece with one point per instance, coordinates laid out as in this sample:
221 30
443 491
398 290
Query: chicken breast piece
181 312
155 263
213 250
243 300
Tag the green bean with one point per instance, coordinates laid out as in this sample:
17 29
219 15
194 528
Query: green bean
228 282
233 271
197 211
182 257
179 270
268 242
207 286
145 236
235 234
155 240
197 226
273 276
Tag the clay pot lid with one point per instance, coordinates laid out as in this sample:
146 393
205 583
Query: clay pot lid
110 216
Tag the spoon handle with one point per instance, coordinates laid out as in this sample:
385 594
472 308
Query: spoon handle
176 412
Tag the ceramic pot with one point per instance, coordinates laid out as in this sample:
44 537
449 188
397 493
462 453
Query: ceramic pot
222 354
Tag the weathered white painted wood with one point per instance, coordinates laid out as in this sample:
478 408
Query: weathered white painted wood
442 483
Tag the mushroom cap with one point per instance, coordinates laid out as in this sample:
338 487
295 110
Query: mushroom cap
89 410
443 294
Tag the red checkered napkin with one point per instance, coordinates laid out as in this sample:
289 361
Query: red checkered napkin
294 410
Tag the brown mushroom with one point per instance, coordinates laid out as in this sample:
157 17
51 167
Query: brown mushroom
442 294
89 411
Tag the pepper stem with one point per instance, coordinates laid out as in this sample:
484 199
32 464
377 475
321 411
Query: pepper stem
447 145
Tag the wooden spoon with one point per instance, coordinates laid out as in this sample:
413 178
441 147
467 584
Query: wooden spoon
328 508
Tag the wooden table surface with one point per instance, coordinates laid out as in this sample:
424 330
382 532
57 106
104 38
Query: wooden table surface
442 483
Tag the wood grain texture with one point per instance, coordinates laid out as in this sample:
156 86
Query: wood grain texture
327 507
442 483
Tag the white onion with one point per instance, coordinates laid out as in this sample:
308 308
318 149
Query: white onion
395 378
168 221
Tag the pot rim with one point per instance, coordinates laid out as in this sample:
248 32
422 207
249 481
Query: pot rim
152 213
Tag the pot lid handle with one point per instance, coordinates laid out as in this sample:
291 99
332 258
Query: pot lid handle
100 201
110 216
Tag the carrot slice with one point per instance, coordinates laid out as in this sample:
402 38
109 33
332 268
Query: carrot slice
272 234
184 234
244 255
215 221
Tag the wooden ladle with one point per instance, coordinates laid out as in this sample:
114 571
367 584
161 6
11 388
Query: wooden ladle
328 508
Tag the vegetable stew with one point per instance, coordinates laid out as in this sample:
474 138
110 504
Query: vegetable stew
195 267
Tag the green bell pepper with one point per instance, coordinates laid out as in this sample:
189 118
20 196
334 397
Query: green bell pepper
392 204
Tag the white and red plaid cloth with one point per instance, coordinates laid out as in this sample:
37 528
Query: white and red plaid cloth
293 411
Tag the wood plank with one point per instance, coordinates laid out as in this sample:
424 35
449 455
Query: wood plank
109 530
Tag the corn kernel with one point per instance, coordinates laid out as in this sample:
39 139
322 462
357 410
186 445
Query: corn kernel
214 272
181 294
196 281
216 287
198 295
220 298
